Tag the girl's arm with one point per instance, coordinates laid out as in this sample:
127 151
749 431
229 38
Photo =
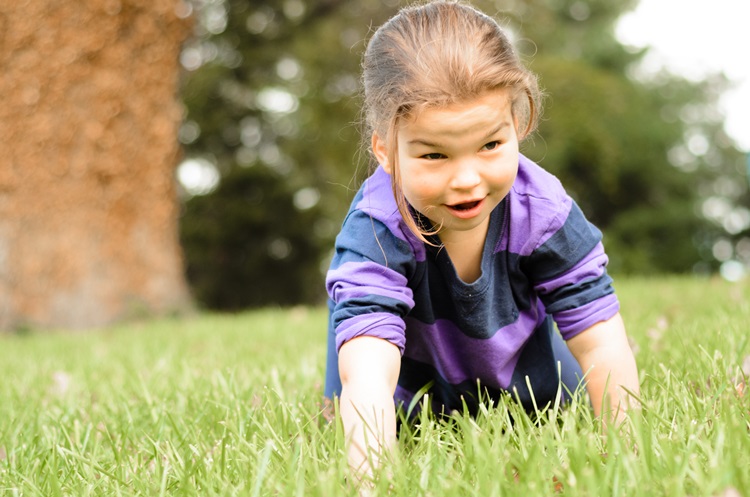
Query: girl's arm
369 369
607 361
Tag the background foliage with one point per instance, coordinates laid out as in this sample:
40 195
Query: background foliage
271 92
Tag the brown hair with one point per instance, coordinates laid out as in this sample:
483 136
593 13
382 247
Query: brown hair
437 54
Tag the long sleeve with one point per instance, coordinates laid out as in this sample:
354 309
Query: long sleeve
569 273
368 281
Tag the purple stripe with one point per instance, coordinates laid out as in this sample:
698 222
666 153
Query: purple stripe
403 395
361 279
459 358
535 198
588 268
574 321
377 195
377 324
378 202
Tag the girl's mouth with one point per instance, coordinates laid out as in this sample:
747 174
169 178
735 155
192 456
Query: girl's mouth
466 210
465 206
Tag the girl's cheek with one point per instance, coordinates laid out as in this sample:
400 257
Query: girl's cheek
507 175
429 187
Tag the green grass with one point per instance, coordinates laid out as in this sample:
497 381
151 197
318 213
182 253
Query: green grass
229 405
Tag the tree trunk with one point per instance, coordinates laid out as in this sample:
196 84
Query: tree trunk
88 148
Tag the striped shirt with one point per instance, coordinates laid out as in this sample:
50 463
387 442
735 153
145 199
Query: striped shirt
542 259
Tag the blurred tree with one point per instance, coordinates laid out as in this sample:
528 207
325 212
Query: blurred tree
638 154
270 96
88 207
249 265
273 87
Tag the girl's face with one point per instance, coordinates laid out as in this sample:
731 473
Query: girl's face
456 163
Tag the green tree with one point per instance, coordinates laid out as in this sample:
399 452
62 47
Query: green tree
640 155
249 224
272 97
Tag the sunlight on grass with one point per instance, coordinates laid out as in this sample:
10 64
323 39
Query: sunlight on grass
229 405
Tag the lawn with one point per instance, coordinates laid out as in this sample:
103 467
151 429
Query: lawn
229 405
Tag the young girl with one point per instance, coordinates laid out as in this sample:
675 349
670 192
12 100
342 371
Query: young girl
458 252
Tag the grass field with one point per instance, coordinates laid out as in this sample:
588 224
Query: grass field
229 405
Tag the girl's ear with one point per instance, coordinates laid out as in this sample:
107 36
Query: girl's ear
380 150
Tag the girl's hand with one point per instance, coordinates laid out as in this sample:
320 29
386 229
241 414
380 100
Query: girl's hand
369 369
607 361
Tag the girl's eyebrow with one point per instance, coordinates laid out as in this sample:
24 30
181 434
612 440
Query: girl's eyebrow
419 141
426 143
496 129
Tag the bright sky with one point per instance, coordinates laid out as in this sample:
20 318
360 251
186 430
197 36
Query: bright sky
693 37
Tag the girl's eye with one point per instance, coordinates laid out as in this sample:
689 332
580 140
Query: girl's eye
491 145
433 156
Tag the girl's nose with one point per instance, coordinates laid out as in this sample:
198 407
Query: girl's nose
466 176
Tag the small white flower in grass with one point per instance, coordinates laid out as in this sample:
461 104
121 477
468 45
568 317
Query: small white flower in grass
729 492
634 346
741 382
656 332
60 382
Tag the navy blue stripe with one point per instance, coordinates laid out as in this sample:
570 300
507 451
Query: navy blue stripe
479 309
542 374
574 296
333 381
572 242
366 238
367 304
416 375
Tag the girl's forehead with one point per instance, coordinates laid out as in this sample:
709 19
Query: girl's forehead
486 110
